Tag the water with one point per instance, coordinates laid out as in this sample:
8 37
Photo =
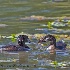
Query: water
11 12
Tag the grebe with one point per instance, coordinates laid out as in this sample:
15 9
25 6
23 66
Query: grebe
21 46
60 45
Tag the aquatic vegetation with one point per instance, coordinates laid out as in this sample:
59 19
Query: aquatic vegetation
13 38
49 25
54 63
59 64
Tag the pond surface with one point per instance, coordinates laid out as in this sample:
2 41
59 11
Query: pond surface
11 12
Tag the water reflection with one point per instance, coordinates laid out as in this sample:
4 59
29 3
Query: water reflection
23 57
34 59
52 57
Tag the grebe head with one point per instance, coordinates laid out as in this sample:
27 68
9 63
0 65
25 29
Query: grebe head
50 38
22 39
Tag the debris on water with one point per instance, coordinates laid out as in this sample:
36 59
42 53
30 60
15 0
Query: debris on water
33 17
43 25
65 21
58 24
38 18
39 35
40 29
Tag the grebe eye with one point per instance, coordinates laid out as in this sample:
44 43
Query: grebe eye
22 40
19 40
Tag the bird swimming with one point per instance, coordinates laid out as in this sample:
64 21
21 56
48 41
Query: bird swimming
21 46
53 46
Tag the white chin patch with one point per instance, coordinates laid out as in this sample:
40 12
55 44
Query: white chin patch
49 48
46 39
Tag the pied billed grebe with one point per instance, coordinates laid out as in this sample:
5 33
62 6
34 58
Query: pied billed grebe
21 46
60 45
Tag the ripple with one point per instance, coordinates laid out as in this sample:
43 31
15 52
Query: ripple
3 25
40 68
41 11
5 9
